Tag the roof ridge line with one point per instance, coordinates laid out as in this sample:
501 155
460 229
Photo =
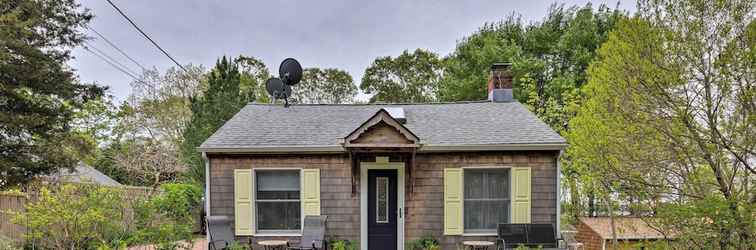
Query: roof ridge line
372 104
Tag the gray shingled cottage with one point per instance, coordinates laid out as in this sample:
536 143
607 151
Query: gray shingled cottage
386 174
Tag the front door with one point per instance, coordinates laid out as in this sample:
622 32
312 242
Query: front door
382 206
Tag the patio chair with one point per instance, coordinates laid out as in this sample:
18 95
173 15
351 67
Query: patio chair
510 235
219 230
313 233
542 235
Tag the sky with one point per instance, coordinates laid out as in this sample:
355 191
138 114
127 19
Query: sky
346 34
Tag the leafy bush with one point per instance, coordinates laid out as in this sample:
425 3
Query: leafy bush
166 219
344 245
74 217
8 244
426 243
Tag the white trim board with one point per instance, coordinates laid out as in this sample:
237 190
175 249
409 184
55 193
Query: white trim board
364 166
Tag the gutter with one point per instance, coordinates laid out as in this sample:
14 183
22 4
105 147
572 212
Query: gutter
427 148
207 191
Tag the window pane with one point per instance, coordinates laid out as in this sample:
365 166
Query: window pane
277 184
277 180
278 215
382 206
486 199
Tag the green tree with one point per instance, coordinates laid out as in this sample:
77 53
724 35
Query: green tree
549 59
670 119
39 93
410 77
466 69
254 73
324 86
224 98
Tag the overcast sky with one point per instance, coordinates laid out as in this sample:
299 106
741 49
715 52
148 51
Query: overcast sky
344 34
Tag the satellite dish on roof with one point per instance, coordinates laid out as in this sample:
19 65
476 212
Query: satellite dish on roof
276 88
290 71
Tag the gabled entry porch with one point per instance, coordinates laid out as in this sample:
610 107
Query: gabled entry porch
382 152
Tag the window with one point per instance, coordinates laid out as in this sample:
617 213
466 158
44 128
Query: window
486 199
277 201
382 204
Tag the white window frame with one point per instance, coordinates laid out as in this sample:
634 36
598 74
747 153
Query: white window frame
254 199
508 168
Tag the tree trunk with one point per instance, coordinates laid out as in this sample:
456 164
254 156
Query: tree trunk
610 210
591 203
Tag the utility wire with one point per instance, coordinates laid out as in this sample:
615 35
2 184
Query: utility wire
117 48
111 58
145 35
112 64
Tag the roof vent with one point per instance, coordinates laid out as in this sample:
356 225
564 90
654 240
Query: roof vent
397 113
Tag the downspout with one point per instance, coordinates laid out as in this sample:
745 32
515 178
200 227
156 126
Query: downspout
558 192
207 191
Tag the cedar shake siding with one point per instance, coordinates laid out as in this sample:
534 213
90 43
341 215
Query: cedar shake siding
423 207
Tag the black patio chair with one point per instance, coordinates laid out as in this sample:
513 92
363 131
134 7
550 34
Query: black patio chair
313 233
541 235
511 235
219 230
530 235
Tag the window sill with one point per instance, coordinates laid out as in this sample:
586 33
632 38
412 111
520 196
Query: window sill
479 234
278 235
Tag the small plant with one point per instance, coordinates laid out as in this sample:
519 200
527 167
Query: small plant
236 246
344 245
426 243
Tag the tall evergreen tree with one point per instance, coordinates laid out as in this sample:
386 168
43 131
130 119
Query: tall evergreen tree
39 94
222 99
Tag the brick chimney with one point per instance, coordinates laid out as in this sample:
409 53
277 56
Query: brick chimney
500 83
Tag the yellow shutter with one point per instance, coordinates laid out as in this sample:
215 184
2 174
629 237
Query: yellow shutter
243 203
453 201
521 182
311 192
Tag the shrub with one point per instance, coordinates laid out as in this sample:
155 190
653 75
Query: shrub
74 217
8 244
166 219
426 243
344 245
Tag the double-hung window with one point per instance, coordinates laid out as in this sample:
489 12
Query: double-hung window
277 201
486 199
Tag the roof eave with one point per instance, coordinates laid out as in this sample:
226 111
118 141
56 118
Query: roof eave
427 148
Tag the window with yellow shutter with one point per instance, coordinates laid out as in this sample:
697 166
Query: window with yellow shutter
278 201
486 199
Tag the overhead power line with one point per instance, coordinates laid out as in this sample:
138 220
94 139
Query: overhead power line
145 35
112 64
117 48
89 45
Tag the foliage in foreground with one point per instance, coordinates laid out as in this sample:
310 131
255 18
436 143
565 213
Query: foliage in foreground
167 218
344 245
74 217
426 243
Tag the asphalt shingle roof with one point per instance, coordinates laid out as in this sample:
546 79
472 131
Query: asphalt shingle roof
464 123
